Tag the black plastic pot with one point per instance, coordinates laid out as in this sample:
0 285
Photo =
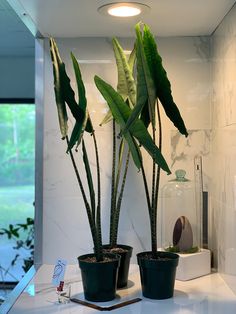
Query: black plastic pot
99 278
123 272
157 274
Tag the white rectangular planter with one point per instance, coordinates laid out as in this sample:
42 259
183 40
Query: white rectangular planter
193 265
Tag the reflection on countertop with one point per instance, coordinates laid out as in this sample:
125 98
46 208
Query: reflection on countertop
208 294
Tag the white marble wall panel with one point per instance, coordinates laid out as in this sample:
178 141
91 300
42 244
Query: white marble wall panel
223 188
183 152
65 226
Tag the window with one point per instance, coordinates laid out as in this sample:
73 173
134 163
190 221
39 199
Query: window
17 172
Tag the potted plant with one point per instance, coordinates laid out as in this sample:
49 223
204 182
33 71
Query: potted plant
120 163
157 269
99 270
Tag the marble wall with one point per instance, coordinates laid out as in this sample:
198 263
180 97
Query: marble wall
65 227
223 176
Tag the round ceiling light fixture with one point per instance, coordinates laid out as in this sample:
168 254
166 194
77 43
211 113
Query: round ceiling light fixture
123 9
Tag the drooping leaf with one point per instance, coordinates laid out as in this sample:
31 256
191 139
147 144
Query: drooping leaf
61 106
64 89
77 134
82 123
126 85
145 86
81 92
114 100
162 84
121 112
145 116
139 131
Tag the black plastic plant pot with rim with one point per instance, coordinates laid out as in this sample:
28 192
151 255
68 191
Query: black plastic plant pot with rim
157 274
125 252
99 278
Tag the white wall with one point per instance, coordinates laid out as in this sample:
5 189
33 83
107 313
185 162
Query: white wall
65 226
223 192
17 77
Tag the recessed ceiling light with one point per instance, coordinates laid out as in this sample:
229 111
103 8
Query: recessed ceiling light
123 9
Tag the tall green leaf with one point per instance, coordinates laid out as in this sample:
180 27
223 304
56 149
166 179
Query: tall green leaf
77 134
145 86
126 85
162 84
121 113
81 92
65 91
132 59
114 100
61 106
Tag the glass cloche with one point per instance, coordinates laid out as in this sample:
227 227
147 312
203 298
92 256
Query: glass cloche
180 217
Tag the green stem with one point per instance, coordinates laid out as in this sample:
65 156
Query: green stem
98 246
146 190
118 205
153 170
153 216
113 196
88 209
158 172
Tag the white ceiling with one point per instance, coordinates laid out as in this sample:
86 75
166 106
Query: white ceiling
76 18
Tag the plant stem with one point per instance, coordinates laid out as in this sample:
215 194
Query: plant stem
146 189
98 247
113 196
118 205
153 210
87 206
78 178
158 167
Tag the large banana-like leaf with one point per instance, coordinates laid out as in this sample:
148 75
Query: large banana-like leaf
126 85
61 106
162 84
113 99
121 113
145 86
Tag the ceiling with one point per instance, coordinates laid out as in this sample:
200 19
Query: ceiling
79 18
76 18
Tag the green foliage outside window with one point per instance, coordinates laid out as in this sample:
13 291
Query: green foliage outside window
17 144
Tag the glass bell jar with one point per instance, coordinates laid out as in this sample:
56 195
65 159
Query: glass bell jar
180 217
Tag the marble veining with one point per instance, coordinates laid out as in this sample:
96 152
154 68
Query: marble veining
223 146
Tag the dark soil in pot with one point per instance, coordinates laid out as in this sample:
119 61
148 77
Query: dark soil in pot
125 253
157 274
99 278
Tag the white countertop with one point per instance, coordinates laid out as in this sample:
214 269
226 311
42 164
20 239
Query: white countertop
208 294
